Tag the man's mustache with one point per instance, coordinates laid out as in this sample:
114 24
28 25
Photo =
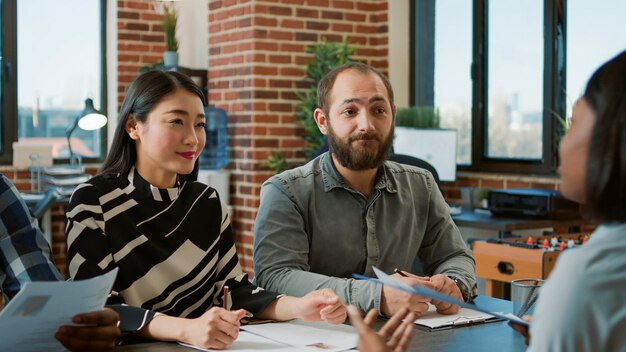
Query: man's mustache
366 136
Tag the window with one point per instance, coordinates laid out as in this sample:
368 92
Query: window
515 79
600 26
495 71
58 63
453 83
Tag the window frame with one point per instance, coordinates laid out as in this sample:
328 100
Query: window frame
554 82
8 64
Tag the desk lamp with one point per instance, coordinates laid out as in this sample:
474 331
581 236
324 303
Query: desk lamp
89 119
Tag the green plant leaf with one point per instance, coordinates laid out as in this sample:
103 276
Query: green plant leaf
326 56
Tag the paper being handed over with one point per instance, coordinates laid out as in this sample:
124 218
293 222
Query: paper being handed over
33 316
426 292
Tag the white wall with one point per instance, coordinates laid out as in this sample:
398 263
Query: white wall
399 11
193 33
111 58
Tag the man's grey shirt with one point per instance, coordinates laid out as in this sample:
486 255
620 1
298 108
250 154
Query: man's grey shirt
312 231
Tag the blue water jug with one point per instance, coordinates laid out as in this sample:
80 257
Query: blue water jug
215 153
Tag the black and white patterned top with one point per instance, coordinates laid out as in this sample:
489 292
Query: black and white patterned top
174 247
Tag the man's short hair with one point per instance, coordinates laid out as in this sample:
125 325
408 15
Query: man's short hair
328 81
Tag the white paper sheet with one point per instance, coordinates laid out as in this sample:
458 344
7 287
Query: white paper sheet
316 336
434 320
33 316
390 281
249 342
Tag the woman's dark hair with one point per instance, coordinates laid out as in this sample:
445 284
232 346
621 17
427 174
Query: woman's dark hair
606 168
142 95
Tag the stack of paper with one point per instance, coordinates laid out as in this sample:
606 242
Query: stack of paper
295 335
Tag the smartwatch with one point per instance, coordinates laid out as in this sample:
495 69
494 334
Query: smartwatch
462 287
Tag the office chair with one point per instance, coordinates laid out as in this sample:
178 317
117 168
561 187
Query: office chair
411 160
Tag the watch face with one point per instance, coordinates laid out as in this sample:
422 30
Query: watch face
462 287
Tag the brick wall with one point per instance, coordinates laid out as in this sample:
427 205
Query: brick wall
140 40
256 65
452 190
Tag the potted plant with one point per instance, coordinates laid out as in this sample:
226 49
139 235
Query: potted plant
417 133
170 18
418 117
326 56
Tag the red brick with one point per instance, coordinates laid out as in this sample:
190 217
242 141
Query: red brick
127 14
265 21
279 59
334 15
491 184
291 23
317 26
340 4
305 36
308 13
366 6
281 35
355 17
280 10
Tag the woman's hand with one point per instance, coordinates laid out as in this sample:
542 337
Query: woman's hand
319 305
216 328
395 335
96 331
523 329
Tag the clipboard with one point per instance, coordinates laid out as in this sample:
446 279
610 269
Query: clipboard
390 281
433 321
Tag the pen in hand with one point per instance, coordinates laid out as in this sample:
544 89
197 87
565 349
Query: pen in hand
400 272
225 298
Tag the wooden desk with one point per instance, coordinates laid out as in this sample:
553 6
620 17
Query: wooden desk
496 336
505 225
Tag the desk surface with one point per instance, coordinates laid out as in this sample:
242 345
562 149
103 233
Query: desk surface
487 221
496 336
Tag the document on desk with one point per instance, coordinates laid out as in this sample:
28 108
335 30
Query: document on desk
390 281
309 336
249 342
33 316
435 321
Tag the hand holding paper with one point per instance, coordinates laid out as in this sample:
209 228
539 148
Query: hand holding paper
385 279
34 315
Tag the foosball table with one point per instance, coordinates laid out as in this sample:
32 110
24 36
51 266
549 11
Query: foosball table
502 260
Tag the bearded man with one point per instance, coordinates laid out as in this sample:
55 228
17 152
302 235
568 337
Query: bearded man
350 209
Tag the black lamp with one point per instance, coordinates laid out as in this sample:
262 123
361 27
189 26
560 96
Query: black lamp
89 119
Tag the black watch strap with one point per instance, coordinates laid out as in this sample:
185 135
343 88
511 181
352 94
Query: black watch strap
462 287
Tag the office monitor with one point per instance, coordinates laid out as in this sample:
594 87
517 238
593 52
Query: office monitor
436 145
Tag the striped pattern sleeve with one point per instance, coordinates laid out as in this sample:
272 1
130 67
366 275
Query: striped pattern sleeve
242 293
88 252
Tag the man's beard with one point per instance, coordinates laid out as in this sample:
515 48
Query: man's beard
365 157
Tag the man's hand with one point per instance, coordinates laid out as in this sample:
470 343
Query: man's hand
97 332
395 335
393 300
443 284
